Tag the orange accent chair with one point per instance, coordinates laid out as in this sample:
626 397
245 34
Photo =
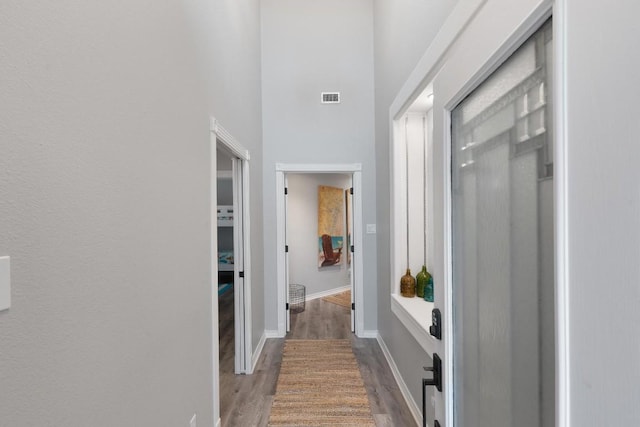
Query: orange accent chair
330 257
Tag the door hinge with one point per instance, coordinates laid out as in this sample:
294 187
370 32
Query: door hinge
241 273
287 306
286 191
351 190
353 306
286 248
352 249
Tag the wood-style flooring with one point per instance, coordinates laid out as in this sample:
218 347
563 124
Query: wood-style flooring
226 332
245 400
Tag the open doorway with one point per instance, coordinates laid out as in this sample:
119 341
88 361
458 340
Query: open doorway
319 235
230 263
226 265
233 271
330 255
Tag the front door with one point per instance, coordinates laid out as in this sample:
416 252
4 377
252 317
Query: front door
503 244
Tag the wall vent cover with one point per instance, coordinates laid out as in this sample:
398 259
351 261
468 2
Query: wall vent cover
331 97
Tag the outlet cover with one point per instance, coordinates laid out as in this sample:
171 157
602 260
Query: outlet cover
371 229
5 283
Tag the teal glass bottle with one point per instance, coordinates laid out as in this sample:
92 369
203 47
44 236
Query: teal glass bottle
428 290
421 281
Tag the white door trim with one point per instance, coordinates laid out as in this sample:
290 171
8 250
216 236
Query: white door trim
213 209
561 218
354 169
232 144
243 343
348 168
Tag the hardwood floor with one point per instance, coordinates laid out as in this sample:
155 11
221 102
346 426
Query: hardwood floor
245 400
321 320
226 331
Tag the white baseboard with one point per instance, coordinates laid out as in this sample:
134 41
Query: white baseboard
327 293
272 334
413 406
256 353
369 334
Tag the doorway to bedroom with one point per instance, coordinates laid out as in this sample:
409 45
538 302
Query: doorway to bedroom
226 264
319 241
319 230
233 271
230 265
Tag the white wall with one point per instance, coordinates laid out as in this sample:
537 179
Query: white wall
233 37
104 203
302 232
309 47
602 127
403 30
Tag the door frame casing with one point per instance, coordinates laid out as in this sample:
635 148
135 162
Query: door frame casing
218 134
242 294
353 169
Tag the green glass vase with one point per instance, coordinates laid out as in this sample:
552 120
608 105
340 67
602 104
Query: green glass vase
421 281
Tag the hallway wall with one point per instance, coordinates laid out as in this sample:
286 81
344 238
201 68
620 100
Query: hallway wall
309 47
603 205
104 203
230 43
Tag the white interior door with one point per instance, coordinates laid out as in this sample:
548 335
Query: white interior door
286 254
502 245
239 265
281 239
352 254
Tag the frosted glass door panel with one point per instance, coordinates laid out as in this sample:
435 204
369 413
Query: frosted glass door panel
503 281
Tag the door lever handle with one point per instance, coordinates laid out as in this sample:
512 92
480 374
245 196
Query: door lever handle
436 380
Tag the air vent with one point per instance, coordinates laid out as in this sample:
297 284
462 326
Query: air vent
331 97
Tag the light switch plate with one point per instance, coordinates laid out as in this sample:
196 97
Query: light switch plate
5 283
371 229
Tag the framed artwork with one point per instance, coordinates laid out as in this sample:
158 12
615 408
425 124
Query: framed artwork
330 226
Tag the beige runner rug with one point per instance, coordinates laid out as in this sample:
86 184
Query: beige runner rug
320 385
343 299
